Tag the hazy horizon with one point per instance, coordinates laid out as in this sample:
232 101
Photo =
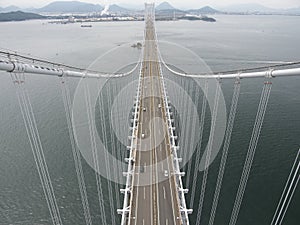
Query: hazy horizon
276 4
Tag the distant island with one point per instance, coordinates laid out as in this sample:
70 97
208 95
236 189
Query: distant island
75 11
193 17
137 45
19 16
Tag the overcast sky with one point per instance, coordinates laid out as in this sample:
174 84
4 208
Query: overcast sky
176 3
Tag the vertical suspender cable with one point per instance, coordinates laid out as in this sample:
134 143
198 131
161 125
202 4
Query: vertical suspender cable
76 154
198 153
94 152
118 144
288 192
251 150
188 129
36 146
105 135
192 134
187 123
184 127
109 183
209 150
230 123
42 159
113 144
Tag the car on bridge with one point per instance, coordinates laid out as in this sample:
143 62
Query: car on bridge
166 174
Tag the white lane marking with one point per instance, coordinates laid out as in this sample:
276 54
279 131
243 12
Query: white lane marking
167 221
169 180
150 152
139 160
144 193
143 222
162 166
164 192
145 164
155 155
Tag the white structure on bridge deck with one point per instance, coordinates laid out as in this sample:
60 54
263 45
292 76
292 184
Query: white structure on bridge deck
127 191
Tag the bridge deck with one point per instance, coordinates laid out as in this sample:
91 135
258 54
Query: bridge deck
154 198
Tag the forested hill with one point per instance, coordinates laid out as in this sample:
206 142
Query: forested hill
19 16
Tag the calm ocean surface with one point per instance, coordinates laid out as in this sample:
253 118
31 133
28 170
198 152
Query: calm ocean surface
233 42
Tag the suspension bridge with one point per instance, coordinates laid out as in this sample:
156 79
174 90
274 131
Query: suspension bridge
154 191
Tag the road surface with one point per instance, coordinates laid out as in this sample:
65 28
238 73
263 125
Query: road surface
154 199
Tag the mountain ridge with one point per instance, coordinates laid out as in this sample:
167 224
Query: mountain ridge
70 6
114 8
253 8
204 10
83 7
165 6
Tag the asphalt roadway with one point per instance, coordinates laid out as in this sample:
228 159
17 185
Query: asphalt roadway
154 198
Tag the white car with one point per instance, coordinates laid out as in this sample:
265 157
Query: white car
144 109
166 173
143 135
159 106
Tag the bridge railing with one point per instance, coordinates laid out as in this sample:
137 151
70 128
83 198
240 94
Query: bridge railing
180 191
126 212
